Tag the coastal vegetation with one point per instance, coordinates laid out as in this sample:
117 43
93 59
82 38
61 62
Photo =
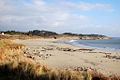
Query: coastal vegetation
47 33
32 33
89 35
41 33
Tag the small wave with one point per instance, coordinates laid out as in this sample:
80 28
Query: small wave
72 40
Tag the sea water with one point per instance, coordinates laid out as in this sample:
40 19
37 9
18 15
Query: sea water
107 44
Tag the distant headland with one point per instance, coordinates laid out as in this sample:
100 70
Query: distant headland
50 34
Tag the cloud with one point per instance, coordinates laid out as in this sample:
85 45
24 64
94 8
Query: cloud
38 14
82 6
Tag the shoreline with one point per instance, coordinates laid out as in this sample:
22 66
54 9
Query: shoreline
72 42
64 56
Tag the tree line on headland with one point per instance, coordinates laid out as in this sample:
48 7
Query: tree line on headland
48 33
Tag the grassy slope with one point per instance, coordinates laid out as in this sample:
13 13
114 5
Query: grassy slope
23 37
14 65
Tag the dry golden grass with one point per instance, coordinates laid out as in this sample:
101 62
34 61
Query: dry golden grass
14 65
10 51
23 37
3 42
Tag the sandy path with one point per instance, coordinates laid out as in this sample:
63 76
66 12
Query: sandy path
56 58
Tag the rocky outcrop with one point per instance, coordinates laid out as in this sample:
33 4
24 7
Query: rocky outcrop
92 38
69 37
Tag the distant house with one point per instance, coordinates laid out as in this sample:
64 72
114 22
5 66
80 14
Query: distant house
2 33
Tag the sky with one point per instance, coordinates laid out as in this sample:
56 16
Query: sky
76 16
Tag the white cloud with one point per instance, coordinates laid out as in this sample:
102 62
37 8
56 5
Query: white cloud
82 6
82 17
39 14
55 24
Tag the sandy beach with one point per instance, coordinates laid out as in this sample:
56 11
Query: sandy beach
55 54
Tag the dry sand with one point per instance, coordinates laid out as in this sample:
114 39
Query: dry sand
58 55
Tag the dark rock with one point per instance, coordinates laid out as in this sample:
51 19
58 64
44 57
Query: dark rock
116 57
47 54
25 52
43 50
108 56
50 54
86 49
29 56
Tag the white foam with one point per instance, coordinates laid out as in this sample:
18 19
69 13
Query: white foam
72 40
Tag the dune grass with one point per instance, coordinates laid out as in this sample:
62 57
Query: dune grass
25 71
3 42
22 37
14 65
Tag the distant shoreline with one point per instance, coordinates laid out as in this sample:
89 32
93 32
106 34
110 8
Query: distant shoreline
50 34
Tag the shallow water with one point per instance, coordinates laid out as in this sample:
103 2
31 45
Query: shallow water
109 45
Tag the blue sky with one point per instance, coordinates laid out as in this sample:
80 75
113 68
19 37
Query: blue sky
77 16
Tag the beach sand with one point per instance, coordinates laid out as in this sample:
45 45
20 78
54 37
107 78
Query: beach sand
55 54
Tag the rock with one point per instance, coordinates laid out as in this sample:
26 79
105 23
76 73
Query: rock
34 51
33 58
50 54
24 52
43 50
47 54
108 56
65 49
116 57
86 49
72 50
49 48
29 56
28 48
81 69
46 57
89 70
39 52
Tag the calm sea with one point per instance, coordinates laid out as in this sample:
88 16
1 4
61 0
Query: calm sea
109 45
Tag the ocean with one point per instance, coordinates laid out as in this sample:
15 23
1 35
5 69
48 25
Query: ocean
108 45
